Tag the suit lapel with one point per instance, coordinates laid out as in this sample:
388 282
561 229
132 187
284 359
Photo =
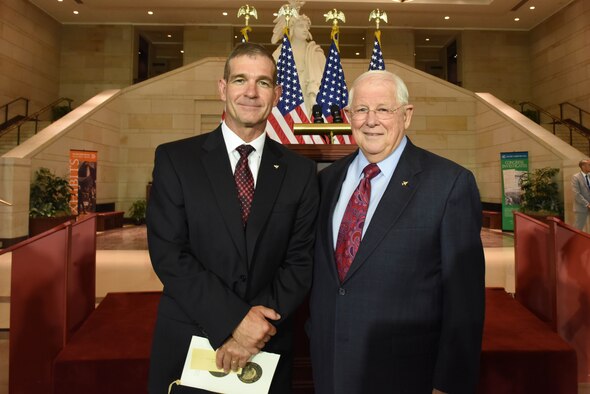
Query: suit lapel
218 169
402 186
270 178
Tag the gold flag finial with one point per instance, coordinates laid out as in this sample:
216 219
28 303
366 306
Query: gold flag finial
334 15
378 15
247 11
288 12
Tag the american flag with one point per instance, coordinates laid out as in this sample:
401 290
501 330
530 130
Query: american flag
377 62
291 107
333 89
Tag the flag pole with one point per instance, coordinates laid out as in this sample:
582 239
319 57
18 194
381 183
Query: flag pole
247 11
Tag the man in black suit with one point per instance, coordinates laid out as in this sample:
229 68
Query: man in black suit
233 271
397 301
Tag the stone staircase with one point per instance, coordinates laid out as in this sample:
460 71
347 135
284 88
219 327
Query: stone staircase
12 138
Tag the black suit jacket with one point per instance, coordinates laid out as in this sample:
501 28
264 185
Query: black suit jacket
212 270
409 315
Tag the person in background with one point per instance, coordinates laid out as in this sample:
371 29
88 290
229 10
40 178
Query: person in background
231 220
581 190
398 293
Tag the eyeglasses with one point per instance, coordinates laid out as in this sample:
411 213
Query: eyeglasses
381 113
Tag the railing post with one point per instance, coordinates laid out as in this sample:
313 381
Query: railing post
18 135
561 111
26 107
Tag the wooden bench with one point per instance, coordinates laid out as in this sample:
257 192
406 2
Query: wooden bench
109 220
491 219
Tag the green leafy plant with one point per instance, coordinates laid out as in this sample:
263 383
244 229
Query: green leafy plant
58 111
137 211
50 195
532 115
540 193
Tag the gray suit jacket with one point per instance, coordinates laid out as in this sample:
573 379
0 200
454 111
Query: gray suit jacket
581 193
409 315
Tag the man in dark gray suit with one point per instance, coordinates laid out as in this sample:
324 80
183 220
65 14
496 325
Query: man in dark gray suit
397 301
234 270
581 190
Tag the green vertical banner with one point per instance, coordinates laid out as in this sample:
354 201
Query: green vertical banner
514 165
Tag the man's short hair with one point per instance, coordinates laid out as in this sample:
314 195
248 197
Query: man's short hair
401 90
250 49
583 161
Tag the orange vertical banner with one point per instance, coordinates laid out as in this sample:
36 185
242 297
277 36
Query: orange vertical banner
83 165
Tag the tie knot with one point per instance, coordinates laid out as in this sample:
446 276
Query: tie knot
371 171
245 150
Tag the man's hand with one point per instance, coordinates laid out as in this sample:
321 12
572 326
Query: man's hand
231 355
254 331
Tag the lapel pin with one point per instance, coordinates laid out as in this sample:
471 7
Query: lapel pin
404 183
276 166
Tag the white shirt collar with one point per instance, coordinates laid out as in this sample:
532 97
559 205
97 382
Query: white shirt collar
232 141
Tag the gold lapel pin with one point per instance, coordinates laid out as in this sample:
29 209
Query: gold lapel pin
276 166
404 183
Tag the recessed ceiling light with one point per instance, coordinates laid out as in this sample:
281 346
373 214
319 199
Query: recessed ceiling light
150 12
169 35
447 17
60 0
76 12
235 36
182 51
516 19
224 13
357 53
427 39
275 14
532 7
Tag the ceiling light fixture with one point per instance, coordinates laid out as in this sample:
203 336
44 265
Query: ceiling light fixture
224 13
447 17
532 7
427 39
516 19
76 12
150 12
169 35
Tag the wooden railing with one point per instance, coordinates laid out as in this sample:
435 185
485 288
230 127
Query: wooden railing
556 121
5 108
35 117
581 113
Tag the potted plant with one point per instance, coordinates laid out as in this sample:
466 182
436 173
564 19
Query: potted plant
540 193
137 211
49 201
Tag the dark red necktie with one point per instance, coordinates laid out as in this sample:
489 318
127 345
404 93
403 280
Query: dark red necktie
244 181
351 228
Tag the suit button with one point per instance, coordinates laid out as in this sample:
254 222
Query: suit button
342 291
243 278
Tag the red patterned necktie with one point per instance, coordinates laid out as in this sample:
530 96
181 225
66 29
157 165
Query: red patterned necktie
351 228
244 181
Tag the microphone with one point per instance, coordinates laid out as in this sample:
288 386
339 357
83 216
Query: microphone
336 116
317 114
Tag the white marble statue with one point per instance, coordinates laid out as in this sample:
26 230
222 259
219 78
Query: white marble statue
309 56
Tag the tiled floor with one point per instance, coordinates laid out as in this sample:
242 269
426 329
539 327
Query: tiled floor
115 247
